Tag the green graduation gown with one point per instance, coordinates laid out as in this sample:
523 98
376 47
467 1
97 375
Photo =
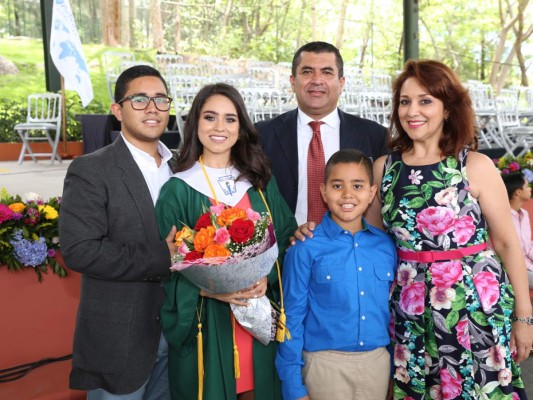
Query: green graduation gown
179 204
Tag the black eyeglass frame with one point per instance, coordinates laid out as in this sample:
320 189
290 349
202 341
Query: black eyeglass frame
148 103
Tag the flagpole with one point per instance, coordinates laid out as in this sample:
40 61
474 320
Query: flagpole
63 116
65 154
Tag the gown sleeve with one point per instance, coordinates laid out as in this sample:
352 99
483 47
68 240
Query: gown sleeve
178 205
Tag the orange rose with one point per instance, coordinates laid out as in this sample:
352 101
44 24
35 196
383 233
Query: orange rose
204 238
228 215
216 250
17 207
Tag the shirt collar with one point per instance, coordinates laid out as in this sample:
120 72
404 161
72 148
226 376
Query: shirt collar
518 213
333 230
332 119
162 149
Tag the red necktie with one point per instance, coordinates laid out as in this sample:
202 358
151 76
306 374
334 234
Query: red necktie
315 175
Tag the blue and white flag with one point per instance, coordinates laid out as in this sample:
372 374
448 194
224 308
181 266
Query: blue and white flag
67 54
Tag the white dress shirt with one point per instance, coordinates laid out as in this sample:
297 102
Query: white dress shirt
154 176
330 134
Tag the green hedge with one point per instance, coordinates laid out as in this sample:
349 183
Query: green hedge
13 112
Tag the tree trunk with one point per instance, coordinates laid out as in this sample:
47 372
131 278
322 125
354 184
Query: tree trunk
132 12
111 22
313 20
506 25
177 28
521 37
157 26
504 70
435 47
301 18
227 14
340 28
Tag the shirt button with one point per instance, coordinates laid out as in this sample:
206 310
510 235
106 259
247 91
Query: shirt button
362 293
363 317
361 343
356 244
388 273
328 277
158 318
360 268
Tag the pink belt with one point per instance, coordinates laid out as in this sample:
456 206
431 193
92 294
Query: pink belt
431 256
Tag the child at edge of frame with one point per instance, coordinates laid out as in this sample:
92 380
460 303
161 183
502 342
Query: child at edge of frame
337 288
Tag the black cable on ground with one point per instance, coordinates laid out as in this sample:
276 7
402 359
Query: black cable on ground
19 371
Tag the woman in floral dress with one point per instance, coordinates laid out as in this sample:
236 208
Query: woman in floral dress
455 298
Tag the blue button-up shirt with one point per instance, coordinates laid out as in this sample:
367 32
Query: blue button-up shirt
336 288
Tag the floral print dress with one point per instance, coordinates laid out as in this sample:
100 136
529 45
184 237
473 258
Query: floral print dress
451 318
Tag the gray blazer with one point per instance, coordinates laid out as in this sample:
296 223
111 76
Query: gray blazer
108 232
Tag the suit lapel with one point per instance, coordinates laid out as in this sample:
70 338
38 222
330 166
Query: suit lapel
287 135
134 181
345 138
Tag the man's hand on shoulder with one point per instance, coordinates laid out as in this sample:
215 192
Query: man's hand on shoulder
303 231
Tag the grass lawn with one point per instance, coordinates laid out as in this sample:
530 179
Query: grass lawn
28 56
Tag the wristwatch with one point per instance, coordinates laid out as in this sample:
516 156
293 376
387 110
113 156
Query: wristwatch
527 320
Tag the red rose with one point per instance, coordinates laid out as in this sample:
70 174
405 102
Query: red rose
241 230
193 255
203 222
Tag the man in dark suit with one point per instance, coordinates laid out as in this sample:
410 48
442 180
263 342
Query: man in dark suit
317 80
109 233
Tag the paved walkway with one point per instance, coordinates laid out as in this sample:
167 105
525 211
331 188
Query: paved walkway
39 177
47 181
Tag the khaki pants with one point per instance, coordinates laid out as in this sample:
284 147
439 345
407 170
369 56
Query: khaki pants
338 375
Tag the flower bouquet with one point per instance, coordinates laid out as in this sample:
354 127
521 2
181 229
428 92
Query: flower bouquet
29 233
230 249
523 164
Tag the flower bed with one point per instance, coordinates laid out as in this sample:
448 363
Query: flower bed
522 164
29 235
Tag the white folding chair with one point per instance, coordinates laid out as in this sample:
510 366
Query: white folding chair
113 68
184 89
514 135
484 106
44 115
376 106
163 60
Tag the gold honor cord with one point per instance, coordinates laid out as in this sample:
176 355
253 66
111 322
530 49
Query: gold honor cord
236 364
200 356
281 333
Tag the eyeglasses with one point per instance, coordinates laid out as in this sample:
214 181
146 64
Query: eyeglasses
141 102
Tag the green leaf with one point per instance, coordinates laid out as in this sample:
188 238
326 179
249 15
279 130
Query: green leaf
480 318
417 202
451 162
399 393
436 184
451 319
431 348
437 175
427 191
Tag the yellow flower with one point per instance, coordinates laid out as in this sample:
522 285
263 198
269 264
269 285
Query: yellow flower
185 234
17 207
49 212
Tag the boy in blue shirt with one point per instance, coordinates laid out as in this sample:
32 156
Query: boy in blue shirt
337 295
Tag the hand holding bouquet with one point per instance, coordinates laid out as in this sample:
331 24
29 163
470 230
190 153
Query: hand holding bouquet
228 250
